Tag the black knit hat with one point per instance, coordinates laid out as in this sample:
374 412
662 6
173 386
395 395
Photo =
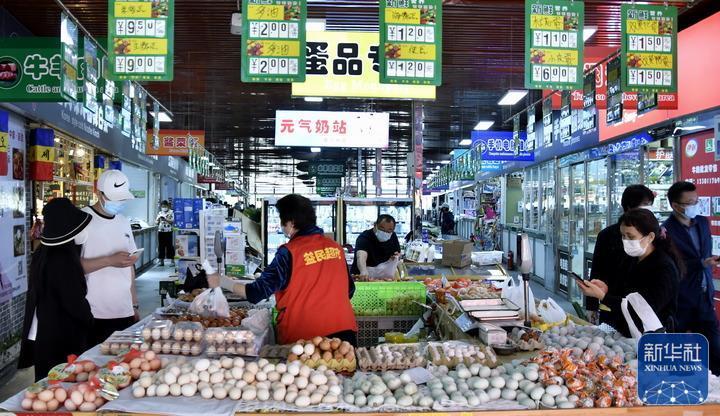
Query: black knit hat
63 221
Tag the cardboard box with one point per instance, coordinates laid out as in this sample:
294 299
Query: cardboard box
187 245
457 253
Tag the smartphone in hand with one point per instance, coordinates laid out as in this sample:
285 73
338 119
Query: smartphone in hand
137 252
578 278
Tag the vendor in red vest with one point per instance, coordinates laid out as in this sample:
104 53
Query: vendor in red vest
309 278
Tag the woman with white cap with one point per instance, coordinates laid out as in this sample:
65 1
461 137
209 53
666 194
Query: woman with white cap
58 320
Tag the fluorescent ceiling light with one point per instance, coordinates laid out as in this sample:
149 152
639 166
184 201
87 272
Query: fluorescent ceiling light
588 32
483 125
465 142
163 117
314 99
315 25
445 162
315 149
688 128
211 164
512 97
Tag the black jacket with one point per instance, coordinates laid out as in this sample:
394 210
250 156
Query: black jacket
656 278
56 292
609 261
447 223
695 269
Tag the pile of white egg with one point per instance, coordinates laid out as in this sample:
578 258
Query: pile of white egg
579 338
372 390
293 383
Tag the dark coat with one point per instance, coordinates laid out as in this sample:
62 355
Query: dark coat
695 270
56 292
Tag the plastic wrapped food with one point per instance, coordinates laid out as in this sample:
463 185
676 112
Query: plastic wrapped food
157 329
120 342
233 341
390 357
187 331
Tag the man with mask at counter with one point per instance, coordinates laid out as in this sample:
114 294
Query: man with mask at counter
376 245
107 258
691 233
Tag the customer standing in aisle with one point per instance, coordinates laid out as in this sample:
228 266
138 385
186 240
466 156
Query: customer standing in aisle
107 259
654 271
447 222
376 245
164 221
58 321
308 276
691 232
609 259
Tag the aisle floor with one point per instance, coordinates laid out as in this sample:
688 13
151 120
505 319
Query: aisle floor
149 299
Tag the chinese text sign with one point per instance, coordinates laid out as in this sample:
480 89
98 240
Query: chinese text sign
331 129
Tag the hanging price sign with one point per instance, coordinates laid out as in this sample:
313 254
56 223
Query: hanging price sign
140 39
273 40
411 41
554 44
649 48
69 45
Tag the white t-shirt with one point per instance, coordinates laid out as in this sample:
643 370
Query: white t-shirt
109 289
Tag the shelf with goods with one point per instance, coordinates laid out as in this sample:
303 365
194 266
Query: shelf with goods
659 175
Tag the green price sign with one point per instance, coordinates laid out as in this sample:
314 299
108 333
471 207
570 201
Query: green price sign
411 42
273 40
140 39
648 57
554 44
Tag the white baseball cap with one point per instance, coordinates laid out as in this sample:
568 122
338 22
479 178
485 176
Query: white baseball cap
114 185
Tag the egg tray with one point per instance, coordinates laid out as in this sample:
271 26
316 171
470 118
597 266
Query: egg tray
121 342
251 347
526 343
282 352
229 336
437 355
174 347
405 356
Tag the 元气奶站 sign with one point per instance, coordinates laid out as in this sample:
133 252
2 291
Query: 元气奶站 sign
649 48
411 40
140 39
331 129
554 44
273 41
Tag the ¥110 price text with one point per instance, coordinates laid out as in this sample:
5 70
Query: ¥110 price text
552 73
547 38
270 30
273 66
410 69
404 33
154 28
139 64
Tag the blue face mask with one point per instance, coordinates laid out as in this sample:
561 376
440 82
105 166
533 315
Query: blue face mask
382 236
113 207
692 211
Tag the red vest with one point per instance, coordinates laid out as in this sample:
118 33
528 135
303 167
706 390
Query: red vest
316 302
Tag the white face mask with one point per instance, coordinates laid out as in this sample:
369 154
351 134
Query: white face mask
81 238
164 209
634 248
647 207
692 211
382 236
287 230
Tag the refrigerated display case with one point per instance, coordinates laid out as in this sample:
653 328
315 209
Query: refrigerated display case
360 214
624 171
273 237
577 227
659 174
597 201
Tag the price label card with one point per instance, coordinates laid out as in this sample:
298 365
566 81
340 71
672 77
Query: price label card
274 41
411 41
554 44
649 48
140 40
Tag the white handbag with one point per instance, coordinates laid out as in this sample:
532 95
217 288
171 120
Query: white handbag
650 321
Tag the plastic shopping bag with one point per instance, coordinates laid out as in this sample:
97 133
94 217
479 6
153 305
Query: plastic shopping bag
385 270
644 311
515 293
258 321
211 303
550 311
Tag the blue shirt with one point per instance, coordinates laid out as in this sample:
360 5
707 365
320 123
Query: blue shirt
277 274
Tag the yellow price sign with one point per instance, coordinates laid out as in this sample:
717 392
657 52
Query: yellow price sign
3 141
133 9
643 27
413 51
266 12
402 16
142 46
542 22
554 56
650 60
274 47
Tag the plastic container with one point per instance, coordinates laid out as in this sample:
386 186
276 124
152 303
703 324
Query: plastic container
388 298
157 329
486 258
234 341
370 329
120 342
171 346
187 331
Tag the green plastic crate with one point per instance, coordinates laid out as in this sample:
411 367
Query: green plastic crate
388 298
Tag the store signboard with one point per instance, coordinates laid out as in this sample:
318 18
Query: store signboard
614 93
411 40
547 122
174 142
554 44
140 39
90 71
716 123
69 47
500 145
649 48
331 129
273 41
328 182
30 69
563 267
346 64
698 165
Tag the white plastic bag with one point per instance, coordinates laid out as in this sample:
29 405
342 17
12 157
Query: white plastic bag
258 320
644 311
515 293
550 311
211 303
384 270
